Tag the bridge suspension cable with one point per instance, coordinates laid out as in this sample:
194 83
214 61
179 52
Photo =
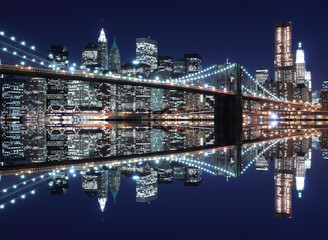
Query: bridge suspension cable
260 86
267 148
201 74
22 50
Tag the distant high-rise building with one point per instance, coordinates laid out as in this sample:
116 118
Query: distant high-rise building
193 62
90 57
136 69
180 67
324 95
165 64
146 52
262 75
284 60
193 176
58 184
146 188
262 164
114 58
58 56
308 80
103 51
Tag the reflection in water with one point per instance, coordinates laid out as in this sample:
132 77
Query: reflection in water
33 158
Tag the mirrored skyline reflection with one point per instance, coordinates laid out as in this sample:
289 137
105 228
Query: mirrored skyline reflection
289 156
271 174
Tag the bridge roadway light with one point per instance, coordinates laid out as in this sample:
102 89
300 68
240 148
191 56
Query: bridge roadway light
12 38
33 47
2 33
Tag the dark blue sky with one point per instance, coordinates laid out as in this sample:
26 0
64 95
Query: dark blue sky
240 30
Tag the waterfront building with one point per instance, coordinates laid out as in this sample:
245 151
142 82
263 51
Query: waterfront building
34 97
159 99
57 92
103 60
146 52
58 56
82 93
11 92
136 69
11 146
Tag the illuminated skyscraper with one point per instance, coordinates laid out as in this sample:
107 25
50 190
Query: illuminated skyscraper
300 65
262 75
324 95
115 58
165 64
103 189
146 52
115 181
58 183
284 61
11 92
284 179
146 188
283 194
90 57
193 62
103 51
180 67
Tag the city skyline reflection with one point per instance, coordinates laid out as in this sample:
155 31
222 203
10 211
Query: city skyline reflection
179 158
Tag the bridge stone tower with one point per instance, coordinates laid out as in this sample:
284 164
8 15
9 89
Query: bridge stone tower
228 111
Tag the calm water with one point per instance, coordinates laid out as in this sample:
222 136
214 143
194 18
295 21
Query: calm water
157 182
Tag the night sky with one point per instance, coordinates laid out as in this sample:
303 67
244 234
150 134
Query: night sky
243 31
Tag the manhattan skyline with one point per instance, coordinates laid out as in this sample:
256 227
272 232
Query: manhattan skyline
213 33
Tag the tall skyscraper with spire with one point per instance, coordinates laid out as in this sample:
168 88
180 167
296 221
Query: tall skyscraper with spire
302 76
300 64
115 58
103 51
